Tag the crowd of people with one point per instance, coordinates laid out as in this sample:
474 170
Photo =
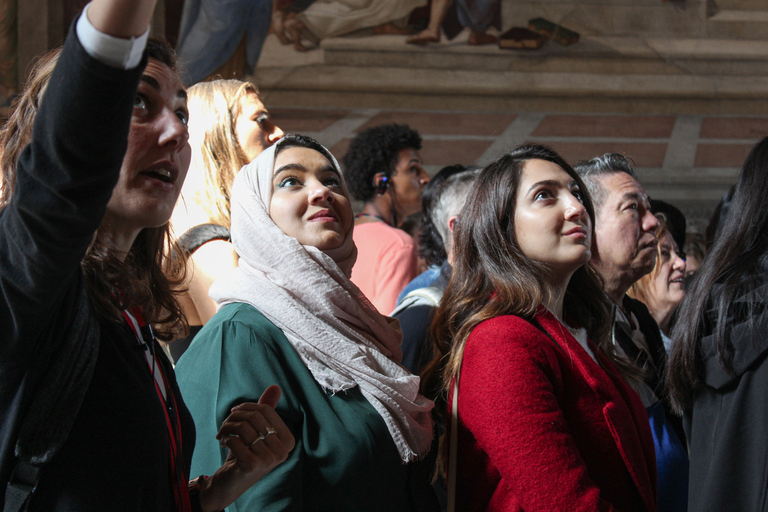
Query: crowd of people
193 318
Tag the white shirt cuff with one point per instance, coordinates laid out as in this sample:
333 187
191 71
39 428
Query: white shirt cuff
113 51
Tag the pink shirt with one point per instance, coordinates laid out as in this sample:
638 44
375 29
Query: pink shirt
386 263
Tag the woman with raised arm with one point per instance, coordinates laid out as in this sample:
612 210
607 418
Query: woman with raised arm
290 315
541 416
718 374
92 418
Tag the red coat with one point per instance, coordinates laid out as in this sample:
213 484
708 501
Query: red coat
543 427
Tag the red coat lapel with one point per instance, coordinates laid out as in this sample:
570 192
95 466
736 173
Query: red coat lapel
632 436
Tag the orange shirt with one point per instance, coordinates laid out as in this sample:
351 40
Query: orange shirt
386 263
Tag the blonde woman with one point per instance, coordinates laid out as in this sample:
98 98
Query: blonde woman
229 127
664 288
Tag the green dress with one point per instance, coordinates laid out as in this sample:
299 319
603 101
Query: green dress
344 457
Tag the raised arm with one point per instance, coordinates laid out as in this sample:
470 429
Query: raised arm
64 179
121 18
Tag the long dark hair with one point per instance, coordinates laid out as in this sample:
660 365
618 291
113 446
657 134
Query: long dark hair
148 277
492 277
733 267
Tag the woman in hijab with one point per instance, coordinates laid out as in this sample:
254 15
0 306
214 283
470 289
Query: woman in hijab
290 315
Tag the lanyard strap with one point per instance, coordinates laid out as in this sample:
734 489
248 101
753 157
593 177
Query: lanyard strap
144 336
146 339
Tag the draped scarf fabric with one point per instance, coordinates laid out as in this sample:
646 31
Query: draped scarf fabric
341 338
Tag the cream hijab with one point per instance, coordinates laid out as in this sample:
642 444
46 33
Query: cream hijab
342 339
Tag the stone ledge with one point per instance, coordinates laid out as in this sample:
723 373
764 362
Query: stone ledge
437 102
609 55
485 83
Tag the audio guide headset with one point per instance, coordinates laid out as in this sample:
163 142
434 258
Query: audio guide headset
381 185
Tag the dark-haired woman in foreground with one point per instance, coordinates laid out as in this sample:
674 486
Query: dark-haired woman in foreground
718 375
92 418
545 417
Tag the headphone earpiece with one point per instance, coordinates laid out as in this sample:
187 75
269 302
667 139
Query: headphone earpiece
382 185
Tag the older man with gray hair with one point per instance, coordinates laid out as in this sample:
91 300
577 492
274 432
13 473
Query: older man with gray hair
623 251
443 199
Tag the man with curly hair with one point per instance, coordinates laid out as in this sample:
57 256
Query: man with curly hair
383 169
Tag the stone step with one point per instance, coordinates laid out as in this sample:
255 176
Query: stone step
592 54
615 17
739 23
740 5
457 89
736 19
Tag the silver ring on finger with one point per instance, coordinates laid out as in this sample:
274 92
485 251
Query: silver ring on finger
270 430
260 438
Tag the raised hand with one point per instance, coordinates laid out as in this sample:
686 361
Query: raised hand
258 440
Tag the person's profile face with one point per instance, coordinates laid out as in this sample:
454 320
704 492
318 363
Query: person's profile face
254 128
625 230
158 153
407 181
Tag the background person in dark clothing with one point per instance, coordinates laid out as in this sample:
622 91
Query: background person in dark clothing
444 196
718 375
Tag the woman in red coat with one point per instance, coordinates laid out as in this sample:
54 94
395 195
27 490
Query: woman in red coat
545 417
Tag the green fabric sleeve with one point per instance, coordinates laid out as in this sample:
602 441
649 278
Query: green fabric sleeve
231 362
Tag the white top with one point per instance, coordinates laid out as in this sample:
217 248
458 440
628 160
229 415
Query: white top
580 333
113 51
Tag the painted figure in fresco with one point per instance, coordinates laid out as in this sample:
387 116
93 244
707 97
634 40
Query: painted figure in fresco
329 18
211 31
478 15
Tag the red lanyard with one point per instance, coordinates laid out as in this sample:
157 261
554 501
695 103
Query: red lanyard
144 336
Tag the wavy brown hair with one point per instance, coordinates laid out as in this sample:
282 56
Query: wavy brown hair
492 277
146 277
